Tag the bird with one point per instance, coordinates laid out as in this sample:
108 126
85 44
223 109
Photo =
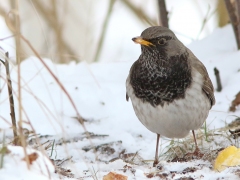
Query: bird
169 87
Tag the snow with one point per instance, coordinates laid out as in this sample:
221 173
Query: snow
98 91
15 167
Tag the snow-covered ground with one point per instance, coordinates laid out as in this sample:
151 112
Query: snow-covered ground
117 141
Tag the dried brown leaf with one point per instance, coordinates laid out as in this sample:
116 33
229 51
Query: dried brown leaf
114 176
235 103
32 157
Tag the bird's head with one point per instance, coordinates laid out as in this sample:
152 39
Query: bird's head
160 39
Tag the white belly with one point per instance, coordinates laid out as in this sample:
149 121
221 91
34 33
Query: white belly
176 119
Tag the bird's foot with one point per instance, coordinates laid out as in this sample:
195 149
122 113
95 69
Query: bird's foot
194 155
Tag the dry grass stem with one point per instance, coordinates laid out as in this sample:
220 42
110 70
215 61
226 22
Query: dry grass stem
205 20
104 29
16 21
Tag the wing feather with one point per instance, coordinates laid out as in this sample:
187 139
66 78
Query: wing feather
207 83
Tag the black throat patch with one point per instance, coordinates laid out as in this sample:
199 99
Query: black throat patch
160 81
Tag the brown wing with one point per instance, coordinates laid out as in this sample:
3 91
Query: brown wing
207 83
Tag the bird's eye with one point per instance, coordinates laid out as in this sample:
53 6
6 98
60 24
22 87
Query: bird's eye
162 41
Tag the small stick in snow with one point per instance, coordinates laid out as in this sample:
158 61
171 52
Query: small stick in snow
219 84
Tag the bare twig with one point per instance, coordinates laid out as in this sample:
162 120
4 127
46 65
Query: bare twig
238 17
219 84
15 5
105 24
140 13
234 20
11 100
64 160
205 20
14 26
163 19
238 7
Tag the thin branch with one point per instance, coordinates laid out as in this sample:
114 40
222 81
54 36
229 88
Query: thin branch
15 6
205 20
140 13
11 100
234 20
163 19
104 29
8 37
238 17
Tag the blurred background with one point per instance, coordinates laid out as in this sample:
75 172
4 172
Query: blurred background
92 31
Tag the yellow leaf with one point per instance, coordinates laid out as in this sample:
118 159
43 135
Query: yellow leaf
230 156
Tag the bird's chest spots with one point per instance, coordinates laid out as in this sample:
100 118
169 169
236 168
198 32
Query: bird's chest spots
159 83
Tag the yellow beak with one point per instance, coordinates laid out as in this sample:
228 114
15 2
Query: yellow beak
140 40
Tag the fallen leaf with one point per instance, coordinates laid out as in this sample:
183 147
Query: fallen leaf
32 157
228 157
114 176
235 103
